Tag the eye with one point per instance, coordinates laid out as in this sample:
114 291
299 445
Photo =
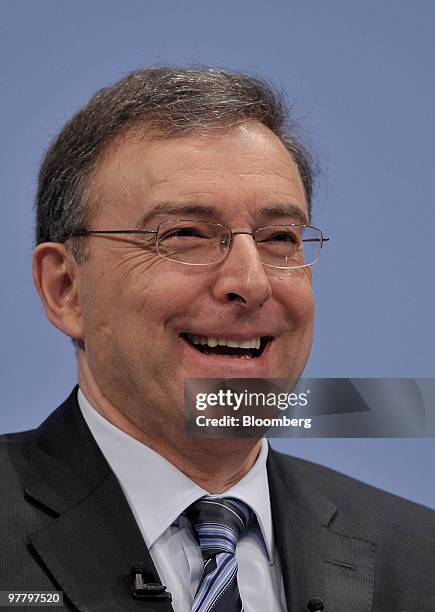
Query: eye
283 237
280 236
183 232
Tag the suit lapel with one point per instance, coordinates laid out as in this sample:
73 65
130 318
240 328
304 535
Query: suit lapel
90 539
316 561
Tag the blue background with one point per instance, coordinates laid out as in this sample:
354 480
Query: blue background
361 77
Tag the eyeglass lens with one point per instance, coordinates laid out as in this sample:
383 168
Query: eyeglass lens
203 242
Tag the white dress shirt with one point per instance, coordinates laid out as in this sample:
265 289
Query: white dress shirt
158 493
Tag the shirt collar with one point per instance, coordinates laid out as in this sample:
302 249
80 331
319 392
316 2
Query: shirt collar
158 492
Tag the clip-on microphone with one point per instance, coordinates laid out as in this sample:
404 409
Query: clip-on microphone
315 604
146 590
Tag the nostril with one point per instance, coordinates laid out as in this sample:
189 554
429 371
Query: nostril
235 297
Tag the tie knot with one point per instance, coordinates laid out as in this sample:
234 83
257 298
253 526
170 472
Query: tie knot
219 523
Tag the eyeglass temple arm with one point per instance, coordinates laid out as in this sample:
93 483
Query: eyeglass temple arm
321 240
87 232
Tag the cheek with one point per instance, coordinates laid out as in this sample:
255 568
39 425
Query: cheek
96 307
295 294
149 302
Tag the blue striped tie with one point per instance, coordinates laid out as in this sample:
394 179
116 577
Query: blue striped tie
218 523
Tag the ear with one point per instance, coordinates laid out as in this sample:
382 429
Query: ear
54 275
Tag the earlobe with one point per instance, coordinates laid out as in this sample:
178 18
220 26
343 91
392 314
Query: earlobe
54 275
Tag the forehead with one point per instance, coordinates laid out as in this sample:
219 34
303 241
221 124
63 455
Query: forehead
234 171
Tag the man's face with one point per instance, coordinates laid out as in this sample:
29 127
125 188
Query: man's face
141 312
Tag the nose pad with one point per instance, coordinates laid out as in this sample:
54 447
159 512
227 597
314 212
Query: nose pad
225 245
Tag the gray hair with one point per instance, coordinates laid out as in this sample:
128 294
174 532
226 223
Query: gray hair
168 101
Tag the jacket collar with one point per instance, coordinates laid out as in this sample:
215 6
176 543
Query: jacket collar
316 560
90 539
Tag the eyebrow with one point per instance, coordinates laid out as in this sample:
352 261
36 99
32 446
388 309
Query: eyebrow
297 213
179 210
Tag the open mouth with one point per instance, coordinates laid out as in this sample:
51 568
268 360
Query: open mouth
250 348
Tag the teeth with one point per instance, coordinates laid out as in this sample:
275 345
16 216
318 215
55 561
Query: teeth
199 340
246 344
252 343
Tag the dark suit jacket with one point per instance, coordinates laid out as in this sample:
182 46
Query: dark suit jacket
66 525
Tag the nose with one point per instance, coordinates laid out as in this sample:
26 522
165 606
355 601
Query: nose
241 276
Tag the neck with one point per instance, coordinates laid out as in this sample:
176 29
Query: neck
213 464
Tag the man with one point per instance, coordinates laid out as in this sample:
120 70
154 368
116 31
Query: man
169 216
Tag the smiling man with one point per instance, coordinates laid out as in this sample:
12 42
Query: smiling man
240 178
174 241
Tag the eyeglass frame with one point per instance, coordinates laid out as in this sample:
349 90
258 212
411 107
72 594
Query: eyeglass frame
144 231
